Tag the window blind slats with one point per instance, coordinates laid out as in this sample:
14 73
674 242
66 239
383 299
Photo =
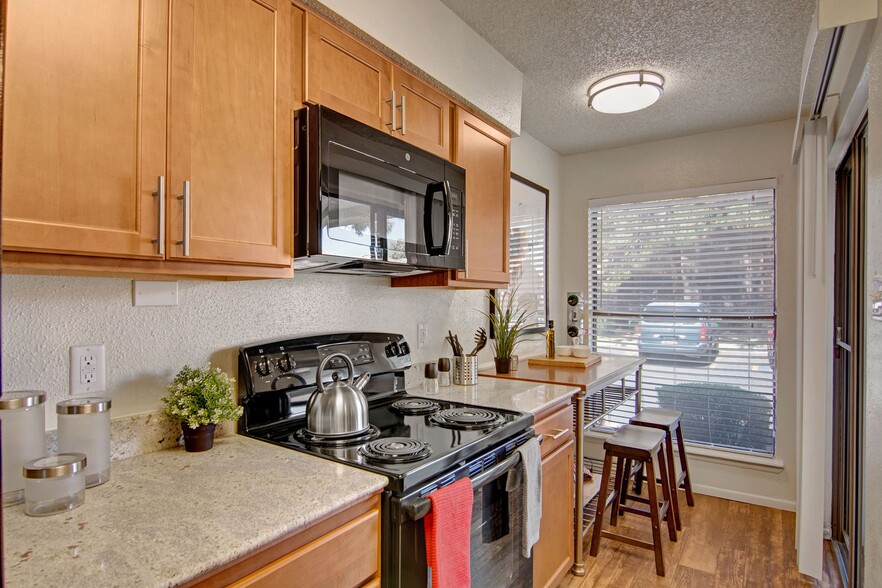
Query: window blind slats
689 284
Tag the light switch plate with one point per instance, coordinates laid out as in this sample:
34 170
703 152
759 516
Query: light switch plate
152 293
87 369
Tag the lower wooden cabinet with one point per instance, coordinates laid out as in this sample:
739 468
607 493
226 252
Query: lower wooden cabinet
340 552
553 554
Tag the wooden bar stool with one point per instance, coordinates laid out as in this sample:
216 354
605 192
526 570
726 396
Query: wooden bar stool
637 444
669 422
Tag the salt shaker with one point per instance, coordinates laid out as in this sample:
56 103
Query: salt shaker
24 438
430 384
444 372
84 427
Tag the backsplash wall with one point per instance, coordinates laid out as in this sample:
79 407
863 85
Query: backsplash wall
145 346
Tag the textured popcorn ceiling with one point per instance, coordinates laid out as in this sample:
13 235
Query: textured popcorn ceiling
727 64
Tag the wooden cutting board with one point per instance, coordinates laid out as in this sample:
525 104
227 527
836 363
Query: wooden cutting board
583 362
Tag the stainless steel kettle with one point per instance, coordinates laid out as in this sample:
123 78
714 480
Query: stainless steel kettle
340 408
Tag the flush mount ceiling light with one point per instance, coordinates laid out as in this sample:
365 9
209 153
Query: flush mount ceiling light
625 92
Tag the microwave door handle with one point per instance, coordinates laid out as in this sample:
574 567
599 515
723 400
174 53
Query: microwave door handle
448 218
428 218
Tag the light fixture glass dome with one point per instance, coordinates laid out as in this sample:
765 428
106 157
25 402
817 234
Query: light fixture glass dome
625 92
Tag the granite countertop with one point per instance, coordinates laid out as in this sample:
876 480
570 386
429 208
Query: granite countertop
169 516
506 394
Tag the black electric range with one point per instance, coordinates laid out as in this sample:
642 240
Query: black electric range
421 444
413 440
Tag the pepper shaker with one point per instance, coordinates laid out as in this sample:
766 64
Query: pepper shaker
444 372
430 384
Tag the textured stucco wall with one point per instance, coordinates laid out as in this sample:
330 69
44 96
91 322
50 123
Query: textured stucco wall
43 316
708 159
433 38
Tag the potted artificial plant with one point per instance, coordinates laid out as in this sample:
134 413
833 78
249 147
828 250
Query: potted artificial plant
199 399
510 321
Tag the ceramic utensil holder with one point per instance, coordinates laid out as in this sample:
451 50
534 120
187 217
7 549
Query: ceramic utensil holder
465 370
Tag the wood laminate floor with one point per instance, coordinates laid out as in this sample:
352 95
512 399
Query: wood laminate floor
723 544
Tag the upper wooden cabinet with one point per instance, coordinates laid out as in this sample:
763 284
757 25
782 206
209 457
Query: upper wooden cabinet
484 152
423 114
106 99
349 77
84 135
230 129
346 76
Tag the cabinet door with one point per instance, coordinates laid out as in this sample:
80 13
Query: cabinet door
347 76
425 114
553 554
230 131
84 126
484 153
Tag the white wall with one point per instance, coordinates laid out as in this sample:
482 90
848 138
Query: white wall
433 38
873 343
735 155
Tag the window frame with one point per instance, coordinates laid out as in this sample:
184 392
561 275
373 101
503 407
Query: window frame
745 186
540 327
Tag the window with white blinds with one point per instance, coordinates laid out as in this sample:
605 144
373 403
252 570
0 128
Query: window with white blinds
528 215
689 284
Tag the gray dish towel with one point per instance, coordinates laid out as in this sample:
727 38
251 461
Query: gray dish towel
526 478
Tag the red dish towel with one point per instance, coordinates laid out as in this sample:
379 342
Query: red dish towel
448 529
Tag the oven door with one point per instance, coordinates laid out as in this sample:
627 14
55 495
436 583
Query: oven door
496 558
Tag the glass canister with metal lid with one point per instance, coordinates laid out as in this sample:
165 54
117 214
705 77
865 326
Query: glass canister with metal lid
23 416
84 427
54 483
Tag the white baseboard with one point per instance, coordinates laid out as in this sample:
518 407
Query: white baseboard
789 505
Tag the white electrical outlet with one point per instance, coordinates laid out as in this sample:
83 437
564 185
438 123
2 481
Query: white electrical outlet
87 369
422 335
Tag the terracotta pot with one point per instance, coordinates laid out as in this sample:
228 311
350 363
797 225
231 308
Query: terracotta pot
199 439
503 365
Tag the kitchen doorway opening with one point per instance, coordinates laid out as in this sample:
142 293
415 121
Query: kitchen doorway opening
848 359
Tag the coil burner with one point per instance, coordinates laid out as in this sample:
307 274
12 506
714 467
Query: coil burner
413 406
396 450
467 418
321 441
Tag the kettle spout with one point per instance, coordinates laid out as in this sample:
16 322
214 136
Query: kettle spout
362 381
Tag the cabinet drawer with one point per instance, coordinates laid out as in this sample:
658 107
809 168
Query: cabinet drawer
556 429
353 548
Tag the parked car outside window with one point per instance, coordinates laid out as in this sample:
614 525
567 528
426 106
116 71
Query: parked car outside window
675 330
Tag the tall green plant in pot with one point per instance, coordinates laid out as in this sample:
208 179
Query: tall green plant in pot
199 399
510 320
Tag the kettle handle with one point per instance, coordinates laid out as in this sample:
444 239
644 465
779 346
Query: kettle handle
321 368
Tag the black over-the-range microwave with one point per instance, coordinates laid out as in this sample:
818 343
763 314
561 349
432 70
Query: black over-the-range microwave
369 203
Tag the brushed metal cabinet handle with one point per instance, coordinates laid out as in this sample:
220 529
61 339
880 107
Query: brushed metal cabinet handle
186 198
403 116
160 233
391 103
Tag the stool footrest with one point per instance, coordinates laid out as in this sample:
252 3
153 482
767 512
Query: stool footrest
628 540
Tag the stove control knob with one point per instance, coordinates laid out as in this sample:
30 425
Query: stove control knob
263 366
285 363
392 349
404 348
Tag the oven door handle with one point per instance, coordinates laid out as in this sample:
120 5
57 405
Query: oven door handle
428 223
420 507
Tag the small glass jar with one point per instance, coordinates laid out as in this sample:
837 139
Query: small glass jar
430 384
84 427
54 484
444 372
23 416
